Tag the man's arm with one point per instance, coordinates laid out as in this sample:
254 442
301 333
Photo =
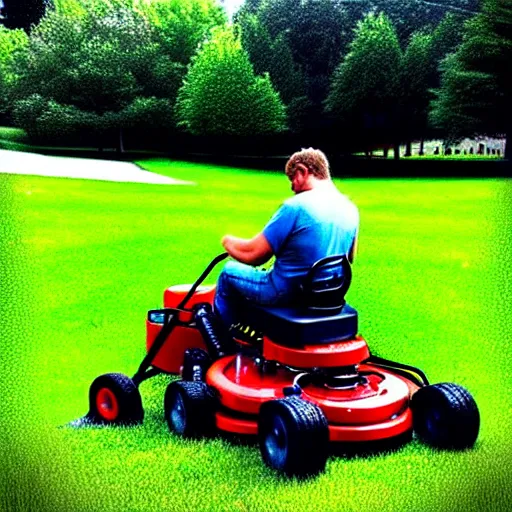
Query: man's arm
255 251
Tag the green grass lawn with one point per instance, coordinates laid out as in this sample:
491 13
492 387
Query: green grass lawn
83 261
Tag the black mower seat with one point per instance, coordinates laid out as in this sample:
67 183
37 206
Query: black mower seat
294 327
320 315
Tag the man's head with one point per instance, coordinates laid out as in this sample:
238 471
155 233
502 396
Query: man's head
305 167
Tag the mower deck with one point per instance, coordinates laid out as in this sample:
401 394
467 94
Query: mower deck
370 406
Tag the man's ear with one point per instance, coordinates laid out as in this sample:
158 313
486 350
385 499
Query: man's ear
302 168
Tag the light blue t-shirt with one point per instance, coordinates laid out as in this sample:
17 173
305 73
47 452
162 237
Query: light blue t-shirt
308 227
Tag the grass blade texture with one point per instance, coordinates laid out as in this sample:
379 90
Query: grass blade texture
83 261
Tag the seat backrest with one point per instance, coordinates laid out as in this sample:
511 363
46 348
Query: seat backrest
326 284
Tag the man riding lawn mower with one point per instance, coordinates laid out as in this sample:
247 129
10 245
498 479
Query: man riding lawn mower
306 378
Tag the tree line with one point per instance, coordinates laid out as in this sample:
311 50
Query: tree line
368 71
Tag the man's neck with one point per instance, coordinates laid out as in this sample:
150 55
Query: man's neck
316 183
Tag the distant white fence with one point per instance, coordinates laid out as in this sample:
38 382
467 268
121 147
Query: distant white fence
477 146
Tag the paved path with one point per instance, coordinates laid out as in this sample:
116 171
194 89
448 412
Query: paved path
16 162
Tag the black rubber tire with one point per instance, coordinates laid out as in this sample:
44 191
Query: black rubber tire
125 403
189 409
293 437
195 365
446 416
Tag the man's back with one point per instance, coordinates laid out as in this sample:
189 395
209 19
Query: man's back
309 226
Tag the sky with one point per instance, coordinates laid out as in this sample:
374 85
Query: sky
231 6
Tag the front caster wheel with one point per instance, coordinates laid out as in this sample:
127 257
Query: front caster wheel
190 408
293 436
114 399
445 416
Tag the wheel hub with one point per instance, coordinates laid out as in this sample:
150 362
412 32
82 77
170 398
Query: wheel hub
106 404
178 416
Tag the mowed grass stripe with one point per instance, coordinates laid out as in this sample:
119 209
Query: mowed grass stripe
86 260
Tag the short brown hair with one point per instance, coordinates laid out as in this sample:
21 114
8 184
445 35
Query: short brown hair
314 159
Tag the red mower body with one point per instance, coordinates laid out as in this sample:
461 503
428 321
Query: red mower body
170 357
373 409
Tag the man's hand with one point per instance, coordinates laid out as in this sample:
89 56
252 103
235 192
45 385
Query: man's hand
255 251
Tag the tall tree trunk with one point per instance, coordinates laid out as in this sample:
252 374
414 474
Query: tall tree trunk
508 146
408 148
120 147
422 147
396 151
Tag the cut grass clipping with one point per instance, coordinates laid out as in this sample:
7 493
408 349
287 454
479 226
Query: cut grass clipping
83 261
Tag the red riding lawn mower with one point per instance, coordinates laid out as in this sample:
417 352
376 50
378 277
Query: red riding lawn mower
307 382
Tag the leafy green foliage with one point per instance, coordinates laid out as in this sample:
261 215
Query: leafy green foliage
314 30
12 42
475 96
92 66
111 64
273 57
410 16
447 35
179 26
417 66
319 32
223 96
111 58
43 118
365 85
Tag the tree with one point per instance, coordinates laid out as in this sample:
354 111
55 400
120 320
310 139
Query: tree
447 35
319 31
475 97
178 27
411 16
314 30
365 85
419 74
109 64
83 72
222 95
273 57
417 67
445 39
12 42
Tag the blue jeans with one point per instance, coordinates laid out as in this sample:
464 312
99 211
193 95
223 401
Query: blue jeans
238 281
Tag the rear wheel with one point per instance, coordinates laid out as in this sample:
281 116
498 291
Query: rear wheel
445 416
190 408
293 436
115 399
